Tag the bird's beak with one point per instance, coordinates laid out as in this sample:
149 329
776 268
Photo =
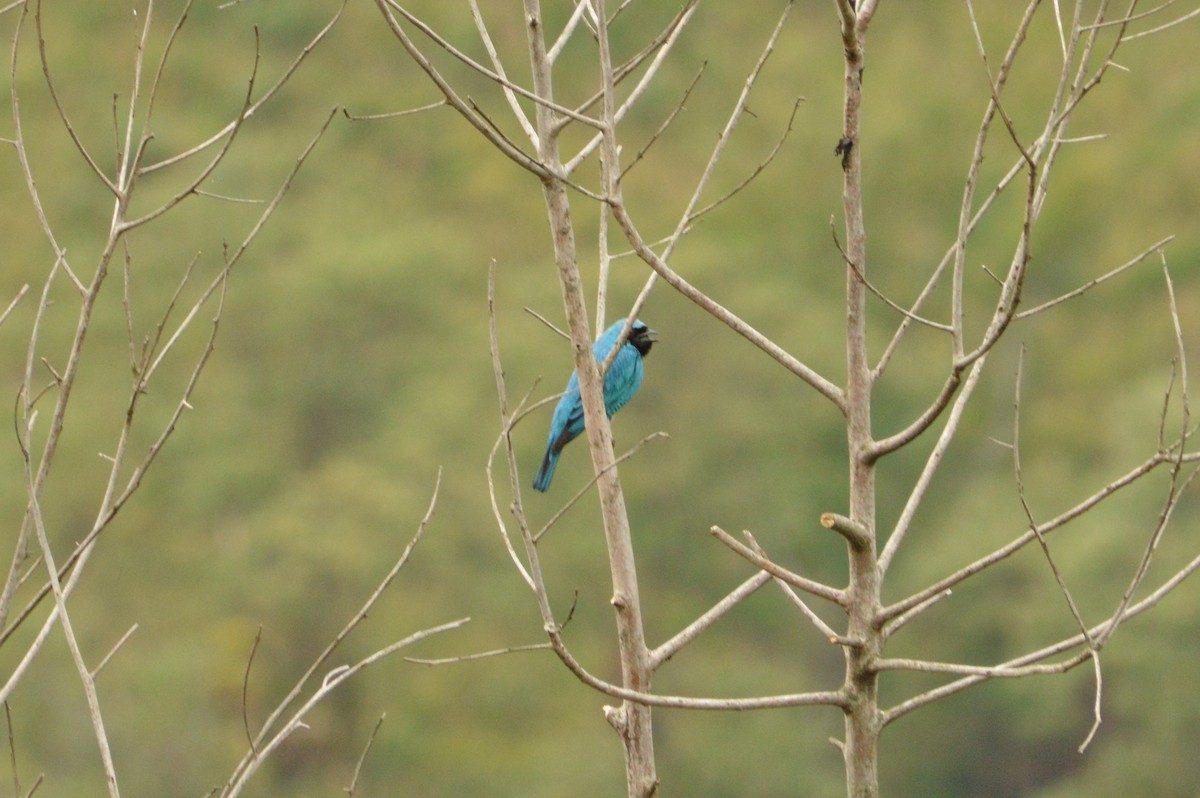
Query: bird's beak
651 336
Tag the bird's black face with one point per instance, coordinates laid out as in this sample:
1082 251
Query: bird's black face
642 337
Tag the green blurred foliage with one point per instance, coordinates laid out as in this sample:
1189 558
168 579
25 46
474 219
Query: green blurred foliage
352 363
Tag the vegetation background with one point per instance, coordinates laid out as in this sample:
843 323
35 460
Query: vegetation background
352 362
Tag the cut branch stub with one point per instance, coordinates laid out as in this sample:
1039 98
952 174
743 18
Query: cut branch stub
852 531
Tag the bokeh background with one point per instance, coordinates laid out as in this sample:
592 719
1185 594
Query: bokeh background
352 363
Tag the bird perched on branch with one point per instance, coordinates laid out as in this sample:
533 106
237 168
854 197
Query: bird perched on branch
621 382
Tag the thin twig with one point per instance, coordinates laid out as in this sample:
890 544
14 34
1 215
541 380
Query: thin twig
350 790
1131 17
12 750
776 570
583 491
246 690
1066 644
894 625
735 116
693 630
1092 645
387 6
259 103
680 106
661 46
332 680
697 214
495 652
827 698
825 629
509 94
932 463
568 30
112 651
263 742
18 140
506 424
20 295
547 322
723 314
1177 482
62 114
132 166
908 314
1129 264
393 114
1159 458
1161 28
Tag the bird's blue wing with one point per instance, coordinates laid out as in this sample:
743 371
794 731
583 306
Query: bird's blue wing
623 379
567 421
565 426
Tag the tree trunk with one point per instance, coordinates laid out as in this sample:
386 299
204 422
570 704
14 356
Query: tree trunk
861 745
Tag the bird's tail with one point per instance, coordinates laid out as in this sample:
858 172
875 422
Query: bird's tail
546 473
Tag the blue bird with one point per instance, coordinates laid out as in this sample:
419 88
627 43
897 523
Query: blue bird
621 382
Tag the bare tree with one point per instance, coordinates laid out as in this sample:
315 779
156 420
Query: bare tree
170 339
544 109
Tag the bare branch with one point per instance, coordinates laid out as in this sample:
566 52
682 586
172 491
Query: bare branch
694 216
830 698
825 629
1160 28
393 114
332 680
246 691
509 94
20 295
253 108
1133 475
1178 482
965 222
591 482
1005 671
735 116
262 744
64 619
662 46
1092 645
130 166
1096 632
387 6
505 437
1131 17
567 31
1020 486
776 570
909 315
18 142
158 74
62 114
894 625
734 322
496 652
112 651
923 422
1129 264
693 630
350 790
680 106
